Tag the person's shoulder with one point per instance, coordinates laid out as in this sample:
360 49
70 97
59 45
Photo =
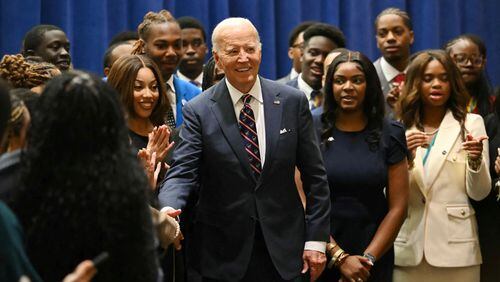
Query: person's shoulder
293 82
185 87
473 118
282 88
393 127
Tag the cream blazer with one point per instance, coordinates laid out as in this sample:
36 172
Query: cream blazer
440 221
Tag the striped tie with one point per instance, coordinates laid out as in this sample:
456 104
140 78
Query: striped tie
248 131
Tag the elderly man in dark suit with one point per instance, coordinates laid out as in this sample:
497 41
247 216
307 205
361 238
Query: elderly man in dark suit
240 143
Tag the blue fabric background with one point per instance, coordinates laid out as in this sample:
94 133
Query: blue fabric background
90 24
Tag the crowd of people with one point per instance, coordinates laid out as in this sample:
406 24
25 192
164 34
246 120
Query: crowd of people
170 168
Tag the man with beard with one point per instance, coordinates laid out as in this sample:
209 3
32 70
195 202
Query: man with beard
193 42
47 43
319 40
394 33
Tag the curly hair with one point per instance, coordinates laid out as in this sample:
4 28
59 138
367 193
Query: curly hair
151 18
327 30
122 77
25 74
83 191
373 104
481 88
411 104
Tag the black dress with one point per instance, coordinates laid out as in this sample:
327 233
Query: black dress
488 210
357 176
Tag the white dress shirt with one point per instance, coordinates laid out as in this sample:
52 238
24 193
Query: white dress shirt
293 74
389 71
304 87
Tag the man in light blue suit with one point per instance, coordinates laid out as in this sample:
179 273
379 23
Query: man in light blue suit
240 144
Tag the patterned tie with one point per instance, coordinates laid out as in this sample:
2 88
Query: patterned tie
170 113
248 131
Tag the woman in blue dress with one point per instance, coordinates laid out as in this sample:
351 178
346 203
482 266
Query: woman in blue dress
365 157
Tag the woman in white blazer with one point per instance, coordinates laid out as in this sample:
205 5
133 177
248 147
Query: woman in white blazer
438 240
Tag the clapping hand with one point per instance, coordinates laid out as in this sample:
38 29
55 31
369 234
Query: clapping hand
159 142
151 167
394 93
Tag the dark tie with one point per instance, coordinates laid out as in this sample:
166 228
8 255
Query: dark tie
170 113
248 131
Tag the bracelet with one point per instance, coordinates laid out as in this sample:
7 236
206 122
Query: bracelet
370 257
329 249
335 257
341 259
475 164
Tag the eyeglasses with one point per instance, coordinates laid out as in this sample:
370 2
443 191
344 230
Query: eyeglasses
462 59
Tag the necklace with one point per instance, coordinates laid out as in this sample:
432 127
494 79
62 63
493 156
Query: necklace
432 132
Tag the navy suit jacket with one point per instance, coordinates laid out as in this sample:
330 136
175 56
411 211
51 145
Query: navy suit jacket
184 91
293 83
210 157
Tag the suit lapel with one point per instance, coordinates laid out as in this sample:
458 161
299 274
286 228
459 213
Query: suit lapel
273 106
449 131
223 110
419 170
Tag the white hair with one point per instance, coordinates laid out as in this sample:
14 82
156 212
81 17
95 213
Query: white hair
234 23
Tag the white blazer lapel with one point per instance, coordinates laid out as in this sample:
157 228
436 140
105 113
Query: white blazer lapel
447 135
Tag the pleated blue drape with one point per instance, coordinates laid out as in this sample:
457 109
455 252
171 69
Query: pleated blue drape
90 24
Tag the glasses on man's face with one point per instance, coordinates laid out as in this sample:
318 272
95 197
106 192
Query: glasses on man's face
462 59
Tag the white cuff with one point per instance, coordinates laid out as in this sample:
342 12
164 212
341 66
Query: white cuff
315 246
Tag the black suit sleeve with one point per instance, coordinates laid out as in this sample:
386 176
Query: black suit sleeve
183 176
313 175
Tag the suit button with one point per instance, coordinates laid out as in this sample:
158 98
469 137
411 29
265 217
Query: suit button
462 212
423 200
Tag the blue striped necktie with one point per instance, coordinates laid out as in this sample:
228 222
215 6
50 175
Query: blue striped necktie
248 131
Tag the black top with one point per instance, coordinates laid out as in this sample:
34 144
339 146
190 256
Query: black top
488 209
358 176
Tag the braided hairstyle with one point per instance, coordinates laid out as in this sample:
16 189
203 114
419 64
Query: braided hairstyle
151 18
26 74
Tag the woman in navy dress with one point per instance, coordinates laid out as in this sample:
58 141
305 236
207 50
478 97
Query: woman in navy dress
365 159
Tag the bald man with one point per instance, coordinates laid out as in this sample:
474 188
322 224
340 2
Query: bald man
240 144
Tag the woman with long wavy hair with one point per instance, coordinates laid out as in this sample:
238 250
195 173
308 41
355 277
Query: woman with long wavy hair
83 192
365 160
438 240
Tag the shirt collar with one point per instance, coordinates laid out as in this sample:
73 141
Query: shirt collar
198 79
10 158
293 74
389 71
304 87
255 92
170 82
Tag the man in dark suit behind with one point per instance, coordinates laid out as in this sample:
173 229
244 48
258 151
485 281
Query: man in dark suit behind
240 143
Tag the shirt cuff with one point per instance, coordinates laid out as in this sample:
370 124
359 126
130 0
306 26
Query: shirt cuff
315 246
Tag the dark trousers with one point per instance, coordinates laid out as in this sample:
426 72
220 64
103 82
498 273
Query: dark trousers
260 268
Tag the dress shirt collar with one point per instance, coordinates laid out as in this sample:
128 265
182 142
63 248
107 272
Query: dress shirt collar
255 92
304 87
389 71
293 74
198 79
170 83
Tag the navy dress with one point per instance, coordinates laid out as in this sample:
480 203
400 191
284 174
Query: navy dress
357 176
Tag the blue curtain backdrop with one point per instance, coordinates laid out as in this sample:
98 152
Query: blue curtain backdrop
90 24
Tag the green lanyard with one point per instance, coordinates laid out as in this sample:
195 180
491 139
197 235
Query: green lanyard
429 148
